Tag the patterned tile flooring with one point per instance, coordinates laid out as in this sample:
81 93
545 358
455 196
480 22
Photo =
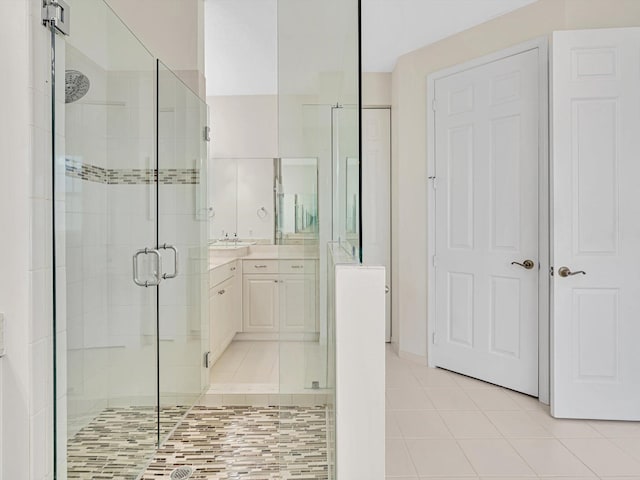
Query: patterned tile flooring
117 442
253 443
257 443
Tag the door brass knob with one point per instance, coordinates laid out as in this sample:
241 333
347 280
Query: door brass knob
528 264
566 272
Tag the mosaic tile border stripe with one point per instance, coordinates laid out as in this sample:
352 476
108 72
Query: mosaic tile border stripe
134 176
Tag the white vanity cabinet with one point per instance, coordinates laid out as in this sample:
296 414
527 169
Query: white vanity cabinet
298 303
279 296
260 303
224 307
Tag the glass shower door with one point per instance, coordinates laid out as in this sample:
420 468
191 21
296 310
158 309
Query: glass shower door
108 264
183 328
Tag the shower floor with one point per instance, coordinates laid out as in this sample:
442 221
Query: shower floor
116 443
257 443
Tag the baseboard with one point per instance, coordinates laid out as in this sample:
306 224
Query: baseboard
276 337
412 357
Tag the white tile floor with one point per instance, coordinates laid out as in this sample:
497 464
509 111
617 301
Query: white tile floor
443 425
268 367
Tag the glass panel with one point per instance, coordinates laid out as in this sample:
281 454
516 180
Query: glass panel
182 233
106 203
318 115
346 215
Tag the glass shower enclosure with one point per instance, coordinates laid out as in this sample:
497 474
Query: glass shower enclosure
129 164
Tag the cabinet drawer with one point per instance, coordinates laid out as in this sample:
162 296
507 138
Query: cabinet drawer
260 266
221 273
297 266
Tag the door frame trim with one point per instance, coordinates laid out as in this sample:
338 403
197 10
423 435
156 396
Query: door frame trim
542 45
390 298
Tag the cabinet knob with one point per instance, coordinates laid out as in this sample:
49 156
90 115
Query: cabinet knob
221 292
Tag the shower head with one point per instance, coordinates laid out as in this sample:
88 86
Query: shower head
76 86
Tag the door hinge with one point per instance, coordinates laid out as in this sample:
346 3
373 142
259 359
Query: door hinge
434 261
206 134
434 105
57 14
433 181
434 338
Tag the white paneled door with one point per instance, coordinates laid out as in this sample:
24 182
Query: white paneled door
596 224
486 227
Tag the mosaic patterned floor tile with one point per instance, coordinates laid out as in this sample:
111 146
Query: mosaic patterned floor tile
253 443
118 443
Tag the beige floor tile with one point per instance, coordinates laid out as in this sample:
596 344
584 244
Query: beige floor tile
434 377
433 457
450 478
517 425
450 399
617 429
519 477
391 426
602 456
421 424
490 399
401 399
472 383
398 461
548 456
469 425
494 456
576 478
629 445
401 379
526 402
561 428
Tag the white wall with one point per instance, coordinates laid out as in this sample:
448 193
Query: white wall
255 191
243 126
25 285
173 30
409 205
376 89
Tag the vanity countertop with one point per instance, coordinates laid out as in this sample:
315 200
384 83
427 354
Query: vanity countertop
264 254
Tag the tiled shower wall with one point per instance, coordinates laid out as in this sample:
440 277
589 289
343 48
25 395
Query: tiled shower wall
25 284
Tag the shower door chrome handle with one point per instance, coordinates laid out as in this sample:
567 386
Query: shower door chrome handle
166 246
156 274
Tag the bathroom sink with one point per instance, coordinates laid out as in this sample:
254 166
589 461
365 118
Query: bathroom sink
239 249
230 246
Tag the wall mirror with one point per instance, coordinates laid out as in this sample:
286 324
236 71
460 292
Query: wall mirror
263 201
296 187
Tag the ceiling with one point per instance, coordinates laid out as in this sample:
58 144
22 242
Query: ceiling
242 45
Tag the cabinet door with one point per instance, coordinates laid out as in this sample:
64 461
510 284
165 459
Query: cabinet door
260 303
298 303
222 312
